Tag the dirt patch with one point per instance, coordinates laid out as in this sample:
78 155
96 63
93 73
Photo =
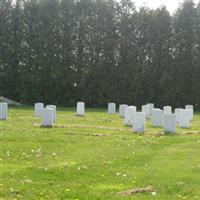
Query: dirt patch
190 132
136 191
85 126
88 134
88 126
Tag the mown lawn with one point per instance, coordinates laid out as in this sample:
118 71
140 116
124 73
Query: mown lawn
95 157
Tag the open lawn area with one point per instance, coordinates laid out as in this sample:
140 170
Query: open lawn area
95 157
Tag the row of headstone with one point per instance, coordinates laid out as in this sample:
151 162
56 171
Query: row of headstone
160 118
112 109
184 116
3 111
147 109
48 113
165 118
129 115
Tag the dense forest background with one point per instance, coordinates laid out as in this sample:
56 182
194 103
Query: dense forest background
97 51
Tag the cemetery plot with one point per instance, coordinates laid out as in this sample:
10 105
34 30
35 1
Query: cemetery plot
80 157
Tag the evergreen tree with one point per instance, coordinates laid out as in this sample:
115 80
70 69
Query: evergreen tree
63 51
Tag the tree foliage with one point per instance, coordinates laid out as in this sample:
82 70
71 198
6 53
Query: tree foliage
59 51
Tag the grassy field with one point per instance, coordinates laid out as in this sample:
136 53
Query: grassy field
95 157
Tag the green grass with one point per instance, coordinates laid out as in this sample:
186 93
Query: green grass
69 161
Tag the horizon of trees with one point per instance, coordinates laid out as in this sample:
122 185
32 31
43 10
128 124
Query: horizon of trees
98 51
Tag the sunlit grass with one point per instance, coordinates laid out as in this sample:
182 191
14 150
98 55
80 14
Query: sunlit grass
94 157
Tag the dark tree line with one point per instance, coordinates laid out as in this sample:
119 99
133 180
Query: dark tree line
62 51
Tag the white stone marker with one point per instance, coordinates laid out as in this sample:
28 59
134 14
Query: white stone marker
3 111
184 118
111 108
38 109
54 111
80 108
177 113
122 108
139 122
146 110
157 117
129 114
167 109
191 107
151 107
169 123
47 116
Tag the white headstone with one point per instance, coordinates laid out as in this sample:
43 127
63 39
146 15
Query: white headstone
184 118
129 114
47 116
157 117
54 111
38 109
177 113
80 108
191 107
139 122
111 108
167 109
146 110
151 107
3 111
122 108
169 123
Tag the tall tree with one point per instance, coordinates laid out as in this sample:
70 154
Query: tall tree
184 46
59 51
5 48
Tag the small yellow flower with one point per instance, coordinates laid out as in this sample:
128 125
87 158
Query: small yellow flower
67 190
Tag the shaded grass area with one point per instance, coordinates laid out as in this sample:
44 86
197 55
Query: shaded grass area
95 157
